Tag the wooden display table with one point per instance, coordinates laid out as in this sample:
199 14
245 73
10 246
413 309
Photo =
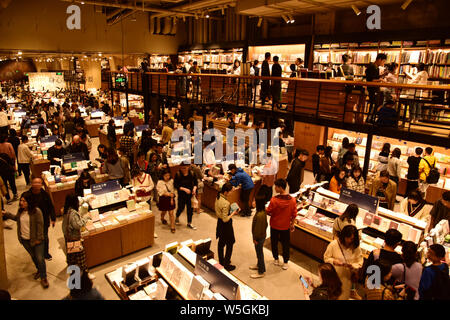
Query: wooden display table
58 196
433 193
39 166
93 128
309 242
137 121
104 140
106 245
210 195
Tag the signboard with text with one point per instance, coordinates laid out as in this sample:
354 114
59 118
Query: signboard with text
362 200
106 187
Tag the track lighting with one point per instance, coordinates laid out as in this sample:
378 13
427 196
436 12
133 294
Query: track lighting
406 4
259 22
196 16
285 18
356 10
184 18
207 15
174 20
223 11
291 19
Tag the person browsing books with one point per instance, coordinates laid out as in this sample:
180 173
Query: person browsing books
224 230
282 210
240 177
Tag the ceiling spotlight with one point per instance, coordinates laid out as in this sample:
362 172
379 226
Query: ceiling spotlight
99 54
259 22
291 20
174 20
223 11
82 2
285 18
19 53
406 4
207 15
196 16
357 12
184 18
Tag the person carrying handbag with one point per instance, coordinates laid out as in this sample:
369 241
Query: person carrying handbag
71 227
166 195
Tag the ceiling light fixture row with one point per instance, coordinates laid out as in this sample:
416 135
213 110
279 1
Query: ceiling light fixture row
288 19
356 10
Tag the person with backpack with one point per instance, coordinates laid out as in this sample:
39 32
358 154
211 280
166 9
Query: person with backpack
409 272
392 239
435 281
440 210
428 173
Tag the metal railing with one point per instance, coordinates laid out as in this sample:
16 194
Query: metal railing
348 102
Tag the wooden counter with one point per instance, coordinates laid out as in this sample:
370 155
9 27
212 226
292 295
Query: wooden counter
39 166
309 242
94 128
137 121
58 197
104 140
433 193
210 195
118 241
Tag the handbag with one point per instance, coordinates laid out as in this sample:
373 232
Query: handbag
194 202
354 277
73 246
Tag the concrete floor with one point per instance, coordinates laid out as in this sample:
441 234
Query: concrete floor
277 284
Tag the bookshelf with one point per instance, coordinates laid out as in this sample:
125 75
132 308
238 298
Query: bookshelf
335 137
287 54
408 54
214 59
157 61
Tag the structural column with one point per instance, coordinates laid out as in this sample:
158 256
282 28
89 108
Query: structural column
3 275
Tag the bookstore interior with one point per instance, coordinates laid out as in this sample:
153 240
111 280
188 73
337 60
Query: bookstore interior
90 145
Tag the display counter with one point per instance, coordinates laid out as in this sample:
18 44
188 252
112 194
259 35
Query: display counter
179 272
37 166
434 191
317 212
211 190
103 136
58 191
93 126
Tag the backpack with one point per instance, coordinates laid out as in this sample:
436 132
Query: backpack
434 175
440 288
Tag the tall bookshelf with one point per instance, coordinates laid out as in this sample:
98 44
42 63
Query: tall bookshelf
287 54
157 61
408 54
214 59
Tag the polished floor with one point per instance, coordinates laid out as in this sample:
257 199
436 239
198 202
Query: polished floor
277 284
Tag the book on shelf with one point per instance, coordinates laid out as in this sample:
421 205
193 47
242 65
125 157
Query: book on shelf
171 247
151 290
207 295
140 295
185 282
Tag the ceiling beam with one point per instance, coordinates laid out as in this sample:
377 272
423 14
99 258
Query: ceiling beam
132 7
121 17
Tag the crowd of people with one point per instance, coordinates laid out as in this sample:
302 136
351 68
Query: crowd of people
142 162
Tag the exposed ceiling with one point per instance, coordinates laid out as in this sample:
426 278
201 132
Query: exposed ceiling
119 9
276 8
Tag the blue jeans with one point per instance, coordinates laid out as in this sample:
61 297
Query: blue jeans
37 255
260 255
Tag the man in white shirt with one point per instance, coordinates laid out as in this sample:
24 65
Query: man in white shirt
420 78
3 121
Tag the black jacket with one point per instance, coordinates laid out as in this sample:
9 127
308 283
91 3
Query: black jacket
77 148
44 202
129 125
53 153
295 175
316 164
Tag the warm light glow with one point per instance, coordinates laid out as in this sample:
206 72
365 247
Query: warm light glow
406 4
357 12
259 22
285 19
